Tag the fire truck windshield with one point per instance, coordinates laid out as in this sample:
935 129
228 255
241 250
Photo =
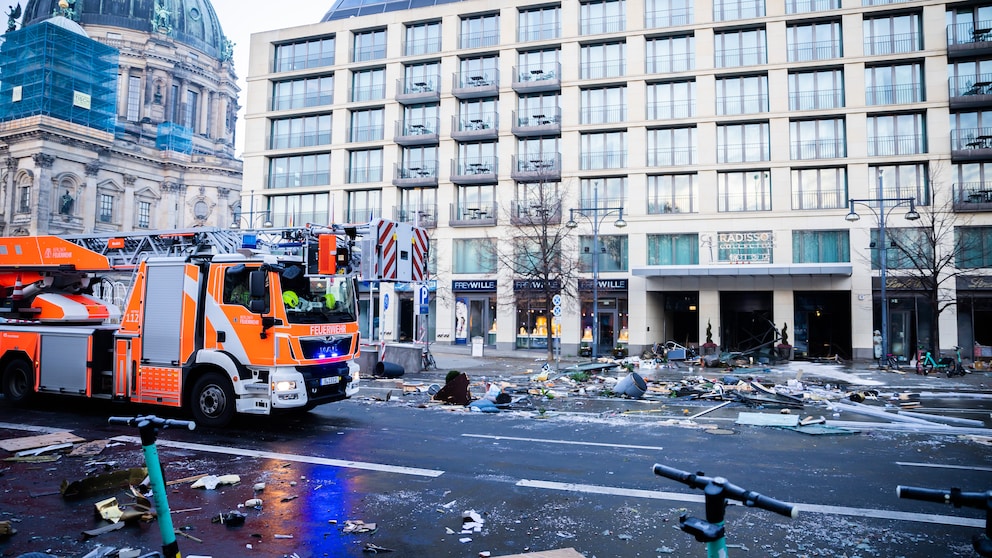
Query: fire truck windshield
317 300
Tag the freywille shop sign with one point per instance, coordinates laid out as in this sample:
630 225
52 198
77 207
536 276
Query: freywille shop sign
745 247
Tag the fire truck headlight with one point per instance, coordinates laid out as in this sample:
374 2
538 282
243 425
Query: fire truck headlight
285 385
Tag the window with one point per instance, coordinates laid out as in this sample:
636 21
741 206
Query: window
670 54
303 93
673 193
729 10
24 197
818 139
739 143
418 205
671 100
105 208
539 24
368 85
744 47
367 125
603 60
673 249
965 23
299 170
744 191
819 188
667 13
814 41
672 147
742 95
603 105
974 247
424 117
479 31
134 98
602 16
971 180
806 6
970 77
968 127
537 64
479 71
890 85
422 160
533 106
176 107
369 45
364 205
896 134
144 214
610 192
892 34
423 38
299 209
541 149
482 110
822 89
473 255
192 104
477 157
821 246
306 131
474 200
604 150
303 55
902 181
365 165
908 248
422 78
612 254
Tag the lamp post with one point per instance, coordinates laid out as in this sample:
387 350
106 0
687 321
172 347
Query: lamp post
882 215
595 215
251 213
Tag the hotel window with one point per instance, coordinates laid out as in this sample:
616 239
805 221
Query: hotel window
970 130
603 60
424 117
420 159
481 154
483 110
821 246
610 191
306 131
603 105
894 84
670 54
300 170
742 95
612 253
539 24
821 89
530 150
673 193
304 55
543 105
418 205
892 34
421 78
473 255
134 98
423 38
814 41
902 181
481 69
365 165
367 125
538 64
369 45
479 31
970 77
966 24
971 181
909 248
823 138
824 188
670 147
806 6
743 47
896 134
303 93
364 205
603 150
473 200
740 143
974 247
105 208
368 85
673 249
667 13
729 10
144 214
299 209
671 100
744 191
602 16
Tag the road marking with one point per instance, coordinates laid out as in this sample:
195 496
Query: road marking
32 428
939 466
809 508
313 460
565 442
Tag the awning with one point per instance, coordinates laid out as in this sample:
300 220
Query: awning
745 270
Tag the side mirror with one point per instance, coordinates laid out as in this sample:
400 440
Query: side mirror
256 288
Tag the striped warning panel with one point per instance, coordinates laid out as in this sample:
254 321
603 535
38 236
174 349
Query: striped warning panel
421 246
387 245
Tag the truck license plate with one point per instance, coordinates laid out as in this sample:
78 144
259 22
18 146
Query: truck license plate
330 380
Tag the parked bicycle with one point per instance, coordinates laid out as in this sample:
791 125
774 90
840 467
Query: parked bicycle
427 358
926 363
718 490
890 362
982 542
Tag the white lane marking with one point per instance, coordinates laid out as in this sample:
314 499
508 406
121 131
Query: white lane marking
566 442
32 428
313 460
809 508
939 466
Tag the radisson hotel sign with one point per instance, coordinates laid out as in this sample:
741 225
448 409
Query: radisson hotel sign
745 247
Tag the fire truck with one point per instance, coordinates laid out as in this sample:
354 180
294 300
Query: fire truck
215 322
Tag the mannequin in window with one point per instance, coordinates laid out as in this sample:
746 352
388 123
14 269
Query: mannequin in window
65 204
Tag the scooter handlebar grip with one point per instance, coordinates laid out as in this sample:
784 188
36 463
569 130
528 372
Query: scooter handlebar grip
121 420
925 494
776 506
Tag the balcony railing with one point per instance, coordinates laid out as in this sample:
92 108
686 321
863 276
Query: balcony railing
364 175
815 100
671 111
599 25
475 126
672 157
427 45
908 144
820 50
893 44
532 212
821 199
742 104
544 32
603 69
366 133
603 160
472 214
536 168
735 57
537 78
363 214
418 89
298 101
674 204
972 196
672 17
537 124
417 131
730 10
475 170
604 115
374 92
969 34
307 139
894 94
743 152
806 6
478 39
818 149
666 64
970 86
424 216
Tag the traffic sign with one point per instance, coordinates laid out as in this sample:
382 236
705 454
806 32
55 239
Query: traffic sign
556 311
556 300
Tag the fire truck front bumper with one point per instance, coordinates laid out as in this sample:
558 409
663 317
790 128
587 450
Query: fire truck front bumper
308 386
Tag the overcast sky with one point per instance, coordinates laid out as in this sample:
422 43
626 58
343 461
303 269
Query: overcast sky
239 19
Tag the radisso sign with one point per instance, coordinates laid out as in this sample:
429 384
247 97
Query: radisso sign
745 247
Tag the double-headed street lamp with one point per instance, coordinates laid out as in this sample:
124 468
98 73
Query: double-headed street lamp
883 214
595 215
251 215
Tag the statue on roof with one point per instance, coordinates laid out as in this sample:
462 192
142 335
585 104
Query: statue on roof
162 17
12 16
226 50
65 9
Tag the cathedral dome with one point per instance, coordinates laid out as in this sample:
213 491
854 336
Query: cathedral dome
192 22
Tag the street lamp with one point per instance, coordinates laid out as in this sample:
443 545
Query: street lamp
882 215
595 215
249 216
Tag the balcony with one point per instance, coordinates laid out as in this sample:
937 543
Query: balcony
539 124
421 131
537 78
475 84
894 94
603 69
806 6
817 50
536 168
414 91
534 213
475 170
541 32
969 39
364 175
475 127
972 196
741 104
362 214
600 160
599 25
736 57
610 114
359 134
893 44
903 144
672 17
472 214
674 204
818 149
970 91
671 110
971 144
816 100
425 216
415 175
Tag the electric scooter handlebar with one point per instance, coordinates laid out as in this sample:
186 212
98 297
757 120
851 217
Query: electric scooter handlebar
731 491
152 420
954 496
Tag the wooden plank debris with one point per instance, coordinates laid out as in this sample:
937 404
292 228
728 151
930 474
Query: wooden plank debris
560 553
40 441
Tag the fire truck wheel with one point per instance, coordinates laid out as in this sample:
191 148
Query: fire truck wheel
18 381
213 400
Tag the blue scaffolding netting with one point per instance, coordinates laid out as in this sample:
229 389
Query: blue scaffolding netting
46 69
173 137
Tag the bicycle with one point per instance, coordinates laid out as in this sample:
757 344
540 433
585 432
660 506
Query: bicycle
148 428
427 361
890 362
925 364
982 542
718 490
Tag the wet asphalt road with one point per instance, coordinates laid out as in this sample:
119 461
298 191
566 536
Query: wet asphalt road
571 472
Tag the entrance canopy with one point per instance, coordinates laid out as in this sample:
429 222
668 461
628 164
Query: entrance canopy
744 270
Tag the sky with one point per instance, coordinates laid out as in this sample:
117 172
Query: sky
239 19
